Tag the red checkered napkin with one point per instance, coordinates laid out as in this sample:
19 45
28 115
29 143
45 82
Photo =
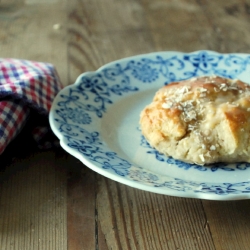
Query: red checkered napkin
27 89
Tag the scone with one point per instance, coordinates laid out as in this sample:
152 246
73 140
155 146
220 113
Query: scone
202 120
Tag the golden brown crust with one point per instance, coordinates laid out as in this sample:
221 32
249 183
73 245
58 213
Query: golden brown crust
200 120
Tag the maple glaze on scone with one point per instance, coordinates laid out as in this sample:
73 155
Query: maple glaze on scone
202 120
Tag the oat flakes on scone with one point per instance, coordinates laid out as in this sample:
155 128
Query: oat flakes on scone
201 120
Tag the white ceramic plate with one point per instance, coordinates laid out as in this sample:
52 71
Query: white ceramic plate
96 120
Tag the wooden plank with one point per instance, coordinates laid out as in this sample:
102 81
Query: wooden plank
92 44
173 25
83 226
134 219
33 198
99 32
81 206
229 21
228 222
101 243
96 39
109 47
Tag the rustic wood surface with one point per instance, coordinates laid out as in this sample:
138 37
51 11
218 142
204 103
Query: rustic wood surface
49 200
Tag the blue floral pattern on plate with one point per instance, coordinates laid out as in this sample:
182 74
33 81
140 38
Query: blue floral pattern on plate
79 110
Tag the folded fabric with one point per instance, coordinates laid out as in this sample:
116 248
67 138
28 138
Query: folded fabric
26 88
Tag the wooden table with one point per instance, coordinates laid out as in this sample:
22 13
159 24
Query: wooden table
48 199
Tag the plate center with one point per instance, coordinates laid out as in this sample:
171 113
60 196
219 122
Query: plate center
120 131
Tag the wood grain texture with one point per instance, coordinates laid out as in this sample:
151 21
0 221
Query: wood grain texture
229 223
229 21
81 206
173 25
32 204
104 31
134 219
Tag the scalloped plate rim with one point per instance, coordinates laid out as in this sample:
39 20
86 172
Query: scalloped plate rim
133 183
